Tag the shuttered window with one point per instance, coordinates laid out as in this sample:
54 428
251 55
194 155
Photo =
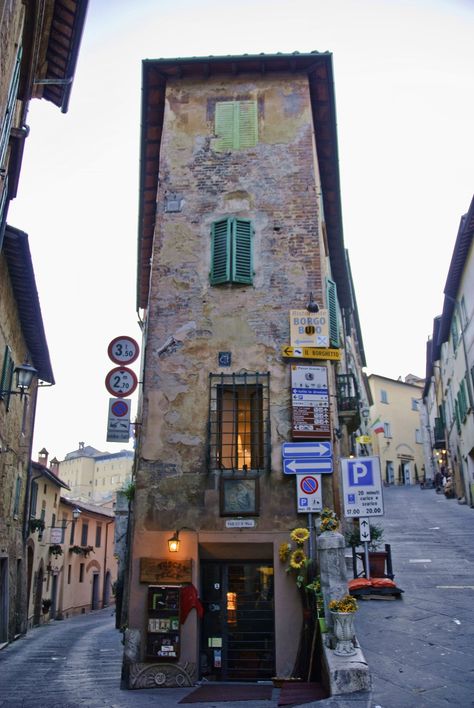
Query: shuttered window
10 109
231 251
7 376
331 298
236 125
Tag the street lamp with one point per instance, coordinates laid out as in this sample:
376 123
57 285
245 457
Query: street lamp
24 377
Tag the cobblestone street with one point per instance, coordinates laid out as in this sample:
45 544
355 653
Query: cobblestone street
420 649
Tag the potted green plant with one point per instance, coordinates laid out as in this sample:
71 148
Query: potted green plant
377 559
75 549
46 605
342 613
55 550
36 525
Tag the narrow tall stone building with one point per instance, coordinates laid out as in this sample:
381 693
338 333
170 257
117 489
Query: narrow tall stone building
239 226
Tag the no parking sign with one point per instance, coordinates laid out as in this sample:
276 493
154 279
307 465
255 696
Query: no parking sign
308 493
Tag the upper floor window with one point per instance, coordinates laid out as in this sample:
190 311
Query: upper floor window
455 332
235 125
418 437
331 298
387 430
239 422
231 251
6 377
415 404
383 396
84 533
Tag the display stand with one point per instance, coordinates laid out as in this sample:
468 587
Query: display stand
163 626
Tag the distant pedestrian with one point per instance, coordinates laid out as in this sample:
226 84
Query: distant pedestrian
438 481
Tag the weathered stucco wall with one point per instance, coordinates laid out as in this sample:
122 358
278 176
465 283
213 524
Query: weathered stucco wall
275 185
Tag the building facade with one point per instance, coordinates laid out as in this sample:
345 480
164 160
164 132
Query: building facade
396 428
449 389
96 476
39 44
72 565
241 257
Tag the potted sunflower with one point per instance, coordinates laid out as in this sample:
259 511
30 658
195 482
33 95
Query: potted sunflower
342 612
295 554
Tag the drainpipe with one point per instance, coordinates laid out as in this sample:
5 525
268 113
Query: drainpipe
105 560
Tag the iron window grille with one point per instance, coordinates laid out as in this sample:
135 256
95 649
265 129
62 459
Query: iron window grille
239 422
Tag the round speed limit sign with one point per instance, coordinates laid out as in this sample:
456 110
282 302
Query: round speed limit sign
121 381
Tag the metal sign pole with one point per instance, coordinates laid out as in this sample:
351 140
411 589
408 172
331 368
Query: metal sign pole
366 558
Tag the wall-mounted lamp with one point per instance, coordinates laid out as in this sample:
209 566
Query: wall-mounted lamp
76 514
312 305
24 376
173 542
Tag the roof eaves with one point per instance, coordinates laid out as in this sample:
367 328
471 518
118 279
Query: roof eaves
18 257
455 272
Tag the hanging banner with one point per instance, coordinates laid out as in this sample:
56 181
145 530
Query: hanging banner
310 403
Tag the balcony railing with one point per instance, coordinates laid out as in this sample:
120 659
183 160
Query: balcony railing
348 400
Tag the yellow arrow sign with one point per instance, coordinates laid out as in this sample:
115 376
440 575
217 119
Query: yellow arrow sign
311 353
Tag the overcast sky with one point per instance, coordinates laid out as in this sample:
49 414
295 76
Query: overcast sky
404 84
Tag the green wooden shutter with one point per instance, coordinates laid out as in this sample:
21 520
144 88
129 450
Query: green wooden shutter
220 251
7 376
247 130
331 297
226 125
236 125
10 108
242 251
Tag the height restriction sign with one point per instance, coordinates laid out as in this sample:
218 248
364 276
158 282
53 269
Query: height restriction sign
308 492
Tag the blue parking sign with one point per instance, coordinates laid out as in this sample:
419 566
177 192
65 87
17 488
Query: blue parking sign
361 487
360 473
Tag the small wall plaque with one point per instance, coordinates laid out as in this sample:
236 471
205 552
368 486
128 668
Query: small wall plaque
225 358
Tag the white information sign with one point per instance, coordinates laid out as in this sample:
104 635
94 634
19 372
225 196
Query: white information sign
308 493
310 402
118 423
309 329
240 523
362 486
56 535
364 530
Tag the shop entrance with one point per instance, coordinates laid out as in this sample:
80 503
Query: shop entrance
238 626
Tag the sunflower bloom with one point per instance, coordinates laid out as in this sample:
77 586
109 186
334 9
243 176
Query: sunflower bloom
299 535
284 551
298 559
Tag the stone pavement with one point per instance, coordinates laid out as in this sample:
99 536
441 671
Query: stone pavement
420 649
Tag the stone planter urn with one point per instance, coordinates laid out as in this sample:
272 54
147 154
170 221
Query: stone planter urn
343 624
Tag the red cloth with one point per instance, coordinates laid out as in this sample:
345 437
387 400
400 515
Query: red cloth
189 599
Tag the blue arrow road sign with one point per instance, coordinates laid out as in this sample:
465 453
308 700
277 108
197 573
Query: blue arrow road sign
307 465
294 450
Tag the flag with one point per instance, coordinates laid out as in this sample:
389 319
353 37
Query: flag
378 426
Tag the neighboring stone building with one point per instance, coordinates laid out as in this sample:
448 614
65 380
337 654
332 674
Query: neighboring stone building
42 581
39 45
396 428
239 224
449 389
72 563
96 476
